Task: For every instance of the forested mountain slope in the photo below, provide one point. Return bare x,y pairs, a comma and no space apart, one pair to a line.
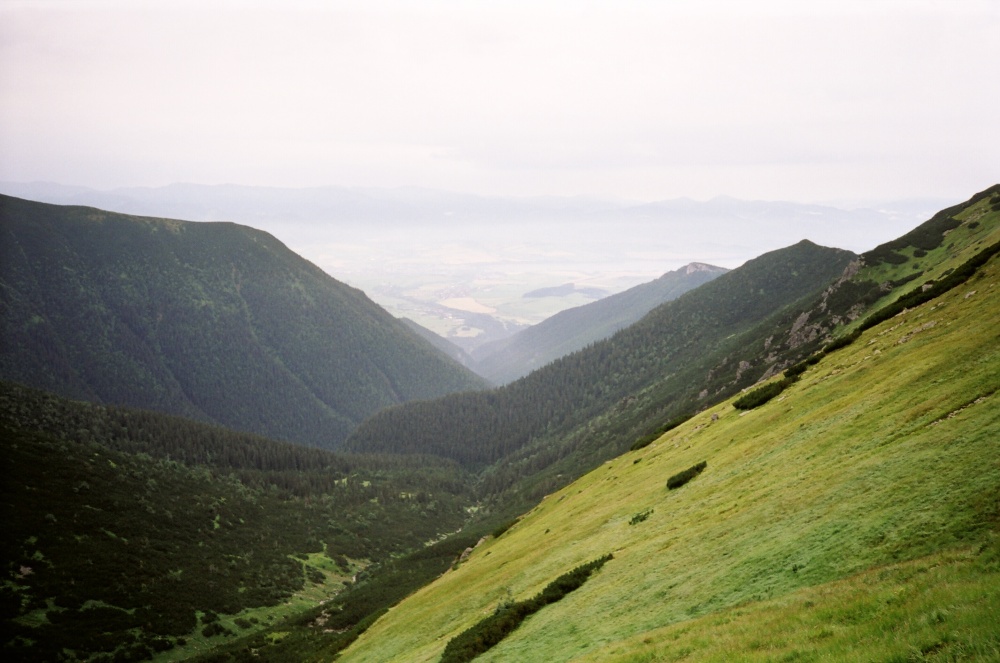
212,321
129,532
440,342
854,517
573,329
477,429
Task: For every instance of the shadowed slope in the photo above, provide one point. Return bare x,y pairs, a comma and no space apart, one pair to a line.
213,321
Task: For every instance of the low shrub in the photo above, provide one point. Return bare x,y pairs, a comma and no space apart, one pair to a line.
842,342
682,478
761,395
796,370
646,440
903,280
639,517
503,527
488,632
215,628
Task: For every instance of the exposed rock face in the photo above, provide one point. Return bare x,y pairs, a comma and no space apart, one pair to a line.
800,333
744,365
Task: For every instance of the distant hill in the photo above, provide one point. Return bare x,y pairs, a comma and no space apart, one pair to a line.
573,329
213,321
565,290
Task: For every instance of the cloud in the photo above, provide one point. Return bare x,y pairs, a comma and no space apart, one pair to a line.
651,98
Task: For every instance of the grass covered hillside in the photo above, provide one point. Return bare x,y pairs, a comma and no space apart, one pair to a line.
854,517
573,329
212,321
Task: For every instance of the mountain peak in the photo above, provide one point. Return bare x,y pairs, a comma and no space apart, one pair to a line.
695,267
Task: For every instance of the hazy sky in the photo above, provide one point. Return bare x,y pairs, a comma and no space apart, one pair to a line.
647,100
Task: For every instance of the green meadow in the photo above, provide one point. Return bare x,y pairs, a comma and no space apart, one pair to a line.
854,517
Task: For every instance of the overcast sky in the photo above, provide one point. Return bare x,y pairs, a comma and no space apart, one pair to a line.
803,101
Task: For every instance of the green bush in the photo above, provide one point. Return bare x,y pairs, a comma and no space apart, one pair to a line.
215,628
761,395
639,517
796,370
842,342
903,280
646,440
503,527
488,632
682,478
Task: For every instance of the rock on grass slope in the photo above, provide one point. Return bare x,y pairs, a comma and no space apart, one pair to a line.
855,517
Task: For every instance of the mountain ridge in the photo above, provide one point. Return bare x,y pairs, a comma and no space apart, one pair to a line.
565,332
214,321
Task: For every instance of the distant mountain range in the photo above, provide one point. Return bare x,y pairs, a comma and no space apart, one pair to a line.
407,205
213,321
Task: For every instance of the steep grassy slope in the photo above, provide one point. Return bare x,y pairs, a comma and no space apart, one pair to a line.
571,330
212,321
855,517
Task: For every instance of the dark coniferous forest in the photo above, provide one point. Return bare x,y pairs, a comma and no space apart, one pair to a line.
213,321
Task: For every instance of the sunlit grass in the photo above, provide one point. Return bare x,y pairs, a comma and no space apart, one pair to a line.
940,607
